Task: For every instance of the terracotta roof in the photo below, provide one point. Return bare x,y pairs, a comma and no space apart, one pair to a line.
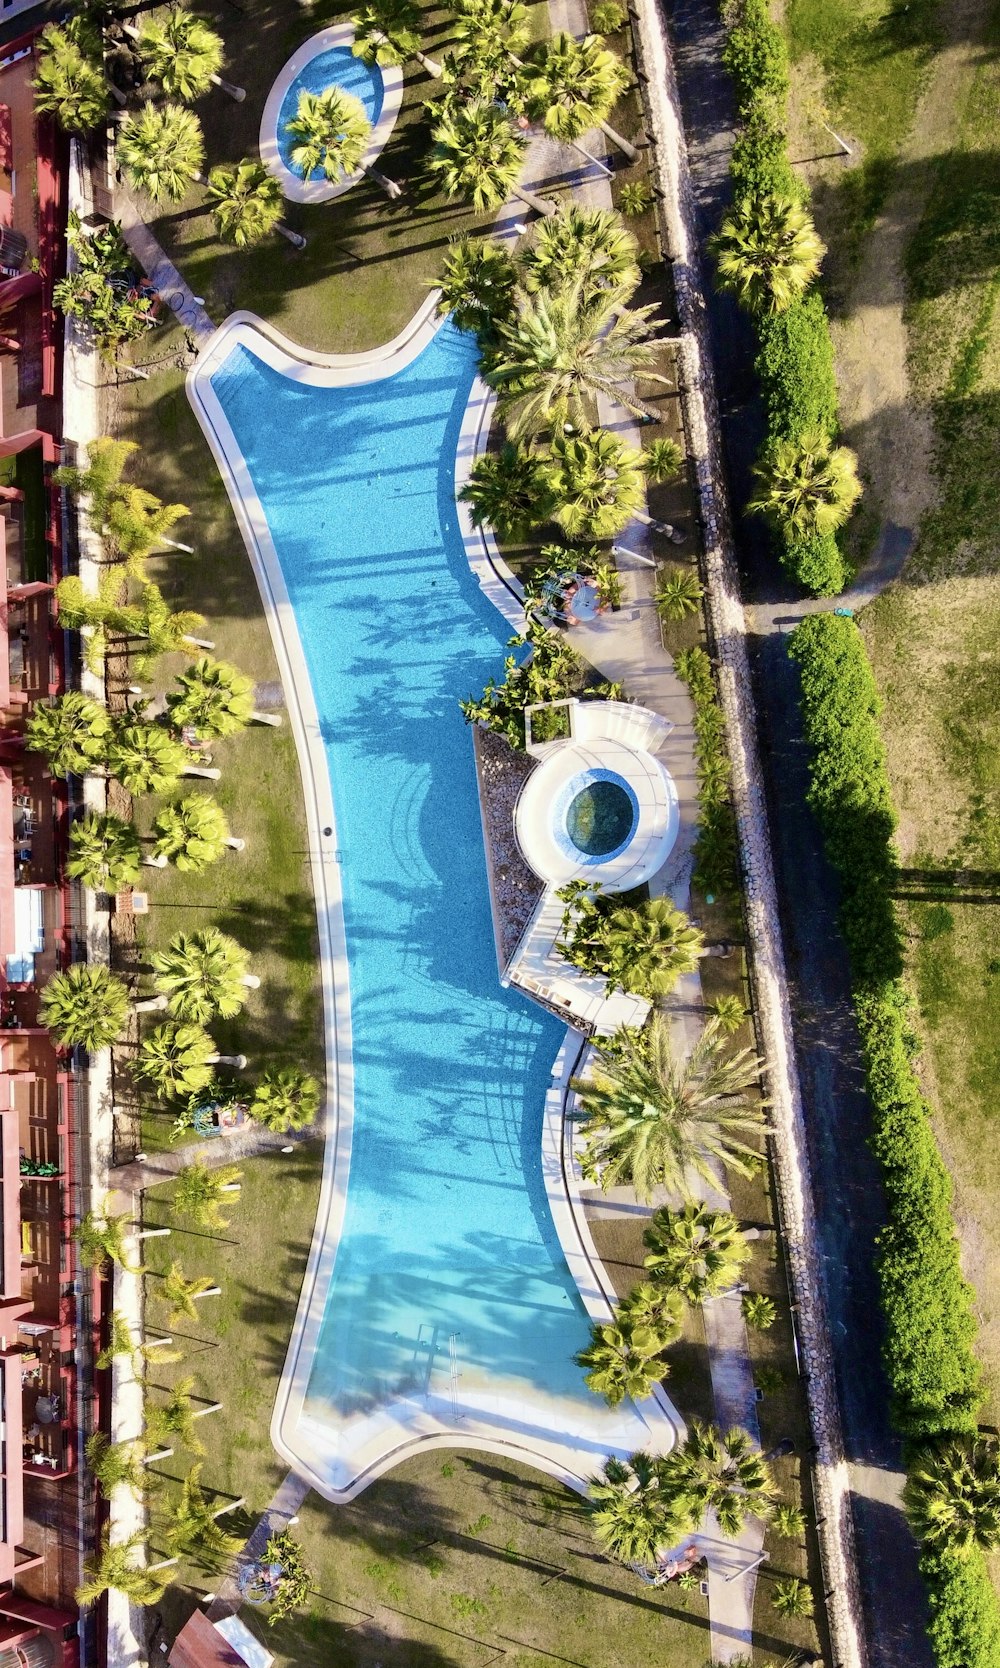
198,1645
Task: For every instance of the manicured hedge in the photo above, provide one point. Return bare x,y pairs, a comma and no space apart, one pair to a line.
795,368
715,853
930,1328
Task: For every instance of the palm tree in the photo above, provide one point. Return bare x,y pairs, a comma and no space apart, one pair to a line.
574,85
192,833
114,1463
121,1344
627,1511
101,1239
644,950
476,284
285,1099
767,252
146,758
386,33
161,149
164,630
176,1059
662,461
590,243
101,480
596,482
696,1251
194,1532
720,1472
199,1192
655,1306
214,698
478,157
623,1360
483,61
952,1495
136,523
203,974
85,1007
332,133
182,1295
70,83
184,55
174,1420
678,594
72,732
561,349
117,1570
509,491
105,852
808,486
651,1121
246,202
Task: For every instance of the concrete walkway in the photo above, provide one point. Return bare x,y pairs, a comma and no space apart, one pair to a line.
284,1505
230,1147
160,270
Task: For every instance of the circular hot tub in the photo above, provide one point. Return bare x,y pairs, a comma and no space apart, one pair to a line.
598,810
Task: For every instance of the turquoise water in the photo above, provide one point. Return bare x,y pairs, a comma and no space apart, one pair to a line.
335,67
447,1244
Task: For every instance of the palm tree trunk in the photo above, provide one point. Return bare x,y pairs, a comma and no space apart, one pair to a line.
234,843
197,642
541,205
211,773
619,140
175,544
663,527
273,718
152,1005
238,93
596,160
237,1061
431,65
155,862
250,980
295,238
391,188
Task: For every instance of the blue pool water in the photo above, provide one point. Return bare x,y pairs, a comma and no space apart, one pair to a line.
447,1240
335,67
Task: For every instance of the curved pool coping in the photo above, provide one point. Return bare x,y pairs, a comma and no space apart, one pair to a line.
322,191
405,1429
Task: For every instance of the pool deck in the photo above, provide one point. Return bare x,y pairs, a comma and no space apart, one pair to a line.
567,1439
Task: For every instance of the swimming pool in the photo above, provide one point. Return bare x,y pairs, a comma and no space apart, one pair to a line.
443,1306
336,66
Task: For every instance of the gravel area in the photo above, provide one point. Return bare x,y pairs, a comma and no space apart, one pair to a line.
514,888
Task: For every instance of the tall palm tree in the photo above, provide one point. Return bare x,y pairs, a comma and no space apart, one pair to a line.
182,1295
627,1510
199,1192
202,974
85,1007
588,242
596,482
331,134
184,55
101,1238
478,157
653,1305
952,1495
386,33
101,480
176,1059
285,1099
508,490
174,1419
246,202
162,150
104,852
136,523
696,1251
146,758
70,83
116,1569
72,732
560,349
114,1463
718,1471
653,1122
767,252
808,485
192,833
194,1532
644,950
483,60
214,698
477,284
574,85
121,1345
163,629
623,1360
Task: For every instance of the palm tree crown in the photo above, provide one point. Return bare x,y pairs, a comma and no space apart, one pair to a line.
386,33
952,1495
116,1568
624,1359
628,1512
767,252
85,1007
246,202
181,1293
161,150
192,832
101,1239
591,243
808,486
644,950
72,732
597,484
330,132
199,1192
216,699
477,153
574,85
718,1471
696,1251
104,852
202,974
146,758
181,52
651,1121
176,1059
173,1420
194,1531
285,1099
560,349
70,83
509,491
477,284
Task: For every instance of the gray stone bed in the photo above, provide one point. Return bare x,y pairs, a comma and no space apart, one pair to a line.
514,888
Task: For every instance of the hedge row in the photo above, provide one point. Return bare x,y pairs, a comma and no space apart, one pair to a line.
715,852
795,360
930,1329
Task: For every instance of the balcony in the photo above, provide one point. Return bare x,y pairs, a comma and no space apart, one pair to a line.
45,1401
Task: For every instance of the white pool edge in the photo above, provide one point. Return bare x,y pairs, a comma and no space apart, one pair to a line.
323,191
408,1428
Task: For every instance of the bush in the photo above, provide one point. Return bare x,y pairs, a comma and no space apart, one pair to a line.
965,1615
715,852
759,165
757,59
795,368
815,563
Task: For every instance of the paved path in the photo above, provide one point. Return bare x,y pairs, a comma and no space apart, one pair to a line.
160,270
284,1505
847,1184
229,1148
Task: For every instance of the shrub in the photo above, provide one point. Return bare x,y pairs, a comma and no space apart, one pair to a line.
815,562
757,59
715,853
759,165
795,367
759,1311
965,1614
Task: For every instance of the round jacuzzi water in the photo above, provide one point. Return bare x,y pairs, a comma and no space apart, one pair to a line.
337,66
600,818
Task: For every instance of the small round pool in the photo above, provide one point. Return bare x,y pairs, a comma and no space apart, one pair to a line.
336,67
600,818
